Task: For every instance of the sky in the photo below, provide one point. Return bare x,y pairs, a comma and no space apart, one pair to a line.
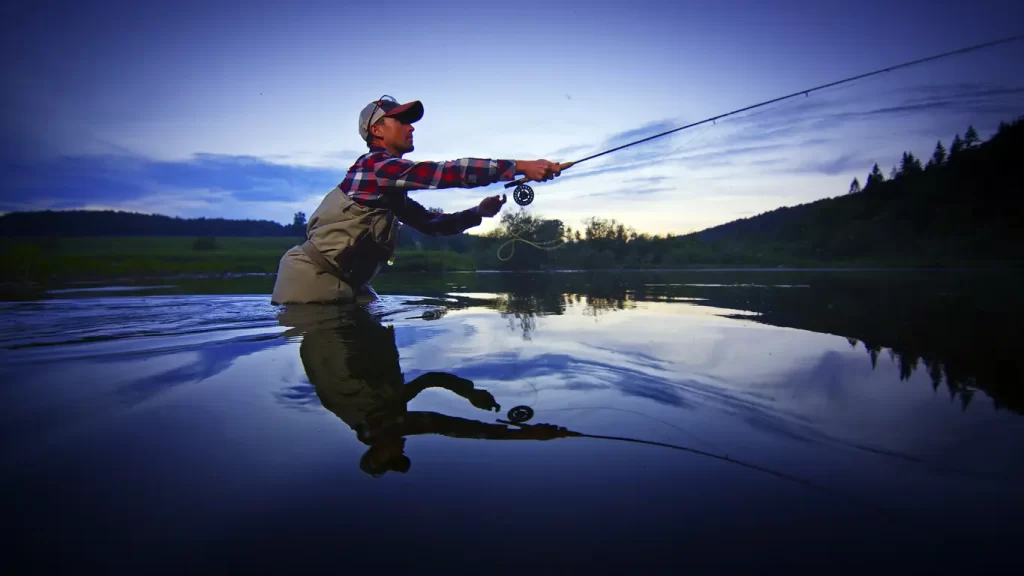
249,109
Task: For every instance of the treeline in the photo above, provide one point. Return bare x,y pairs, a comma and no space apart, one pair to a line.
71,223
961,208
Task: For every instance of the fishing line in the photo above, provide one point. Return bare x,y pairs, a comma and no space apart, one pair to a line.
523,194
726,458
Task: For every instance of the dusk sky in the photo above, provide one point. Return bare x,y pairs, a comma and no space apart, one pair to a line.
249,109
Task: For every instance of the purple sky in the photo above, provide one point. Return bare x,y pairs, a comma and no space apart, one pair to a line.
248,109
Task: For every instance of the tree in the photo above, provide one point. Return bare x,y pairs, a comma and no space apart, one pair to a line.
854,187
909,164
299,222
875,177
956,147
971,137
895,172
938,157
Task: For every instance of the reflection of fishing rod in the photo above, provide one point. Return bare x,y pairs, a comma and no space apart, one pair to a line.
520,414
523,194
723,458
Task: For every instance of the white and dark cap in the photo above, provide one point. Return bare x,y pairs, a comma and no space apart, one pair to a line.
387,106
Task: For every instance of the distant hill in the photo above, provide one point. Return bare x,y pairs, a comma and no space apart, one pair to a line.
963,205
79,223
71,223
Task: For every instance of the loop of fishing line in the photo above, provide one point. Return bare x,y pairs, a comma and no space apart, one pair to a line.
546,245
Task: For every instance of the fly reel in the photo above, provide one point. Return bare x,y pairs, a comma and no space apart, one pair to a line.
523,195
520,414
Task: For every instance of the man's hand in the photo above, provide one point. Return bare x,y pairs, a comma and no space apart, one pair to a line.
538,170
483,400
491,205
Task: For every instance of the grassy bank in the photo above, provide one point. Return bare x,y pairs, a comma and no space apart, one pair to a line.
97,257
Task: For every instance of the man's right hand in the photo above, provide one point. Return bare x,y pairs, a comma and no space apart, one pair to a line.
538,170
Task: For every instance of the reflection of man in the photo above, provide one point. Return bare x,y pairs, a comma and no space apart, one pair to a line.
352,361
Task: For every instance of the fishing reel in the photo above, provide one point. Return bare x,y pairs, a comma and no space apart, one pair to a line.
520,414
523,195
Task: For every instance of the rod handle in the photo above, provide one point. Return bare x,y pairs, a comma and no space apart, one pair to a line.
524,179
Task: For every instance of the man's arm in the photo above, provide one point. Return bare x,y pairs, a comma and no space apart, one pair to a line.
416,423
432,224
445,380
462,173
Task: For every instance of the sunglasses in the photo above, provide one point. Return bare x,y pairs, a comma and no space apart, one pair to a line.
380,106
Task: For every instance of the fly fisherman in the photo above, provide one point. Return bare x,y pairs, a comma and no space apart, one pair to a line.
354,231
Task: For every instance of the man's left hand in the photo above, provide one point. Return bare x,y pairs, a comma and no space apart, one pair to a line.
483,400
491,205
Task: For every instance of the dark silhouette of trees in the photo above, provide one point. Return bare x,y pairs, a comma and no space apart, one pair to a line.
299,222
938,157
956,147
854,187
875,177
971,138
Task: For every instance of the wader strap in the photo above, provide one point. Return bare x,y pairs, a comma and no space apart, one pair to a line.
322,263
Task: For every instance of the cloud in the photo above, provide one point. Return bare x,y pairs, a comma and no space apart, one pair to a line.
75,181
627,191
646,180
833,166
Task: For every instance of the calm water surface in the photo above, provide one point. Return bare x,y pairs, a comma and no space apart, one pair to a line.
191,426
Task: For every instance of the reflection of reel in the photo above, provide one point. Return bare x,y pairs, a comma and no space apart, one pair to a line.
523,195
520,414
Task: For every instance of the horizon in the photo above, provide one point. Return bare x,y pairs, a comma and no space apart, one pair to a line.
193,111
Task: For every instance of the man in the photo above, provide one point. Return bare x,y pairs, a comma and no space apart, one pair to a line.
352,361
355,229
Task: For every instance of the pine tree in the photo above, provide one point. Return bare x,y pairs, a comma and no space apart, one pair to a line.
938,157
875,177
895,172
956,147
854,186
971,137
909,164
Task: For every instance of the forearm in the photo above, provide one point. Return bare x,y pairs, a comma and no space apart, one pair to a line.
433,224
461,173
445,380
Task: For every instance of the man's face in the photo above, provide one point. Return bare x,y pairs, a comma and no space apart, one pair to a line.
396,135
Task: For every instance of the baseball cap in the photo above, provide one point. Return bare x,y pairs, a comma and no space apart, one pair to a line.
387,106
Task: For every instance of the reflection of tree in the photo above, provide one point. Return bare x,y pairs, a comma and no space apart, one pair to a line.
961,330
961,333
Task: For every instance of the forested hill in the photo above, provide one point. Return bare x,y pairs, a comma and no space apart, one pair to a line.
962,205
72,223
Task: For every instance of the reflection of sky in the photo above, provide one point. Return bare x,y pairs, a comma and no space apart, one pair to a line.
200,431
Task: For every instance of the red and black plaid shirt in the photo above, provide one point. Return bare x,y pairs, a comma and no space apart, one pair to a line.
381,179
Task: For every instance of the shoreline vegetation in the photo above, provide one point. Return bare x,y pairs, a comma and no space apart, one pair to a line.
959,210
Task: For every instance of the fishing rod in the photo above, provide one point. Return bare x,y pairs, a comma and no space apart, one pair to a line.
523,194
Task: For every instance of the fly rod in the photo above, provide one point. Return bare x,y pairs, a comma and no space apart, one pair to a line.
523,194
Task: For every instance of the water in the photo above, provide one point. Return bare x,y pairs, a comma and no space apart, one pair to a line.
189,425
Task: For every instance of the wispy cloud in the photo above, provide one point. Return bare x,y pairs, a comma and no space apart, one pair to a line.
630,191
68,182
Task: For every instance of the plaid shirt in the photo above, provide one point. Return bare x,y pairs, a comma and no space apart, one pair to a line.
381,179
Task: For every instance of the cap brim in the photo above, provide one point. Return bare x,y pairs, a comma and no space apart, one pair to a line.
409,112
